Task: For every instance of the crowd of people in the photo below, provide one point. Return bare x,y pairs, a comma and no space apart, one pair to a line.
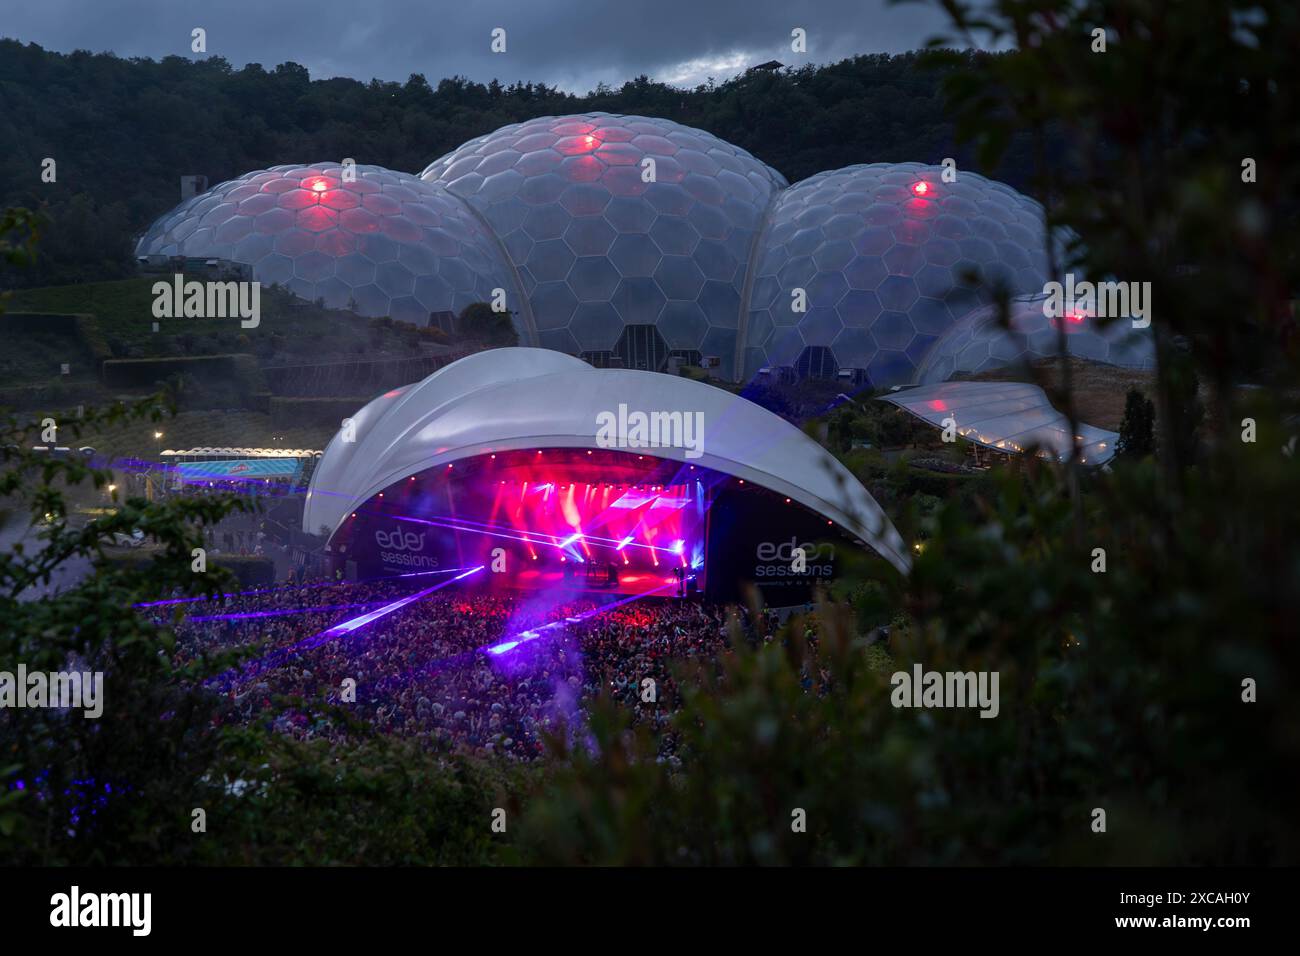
442,669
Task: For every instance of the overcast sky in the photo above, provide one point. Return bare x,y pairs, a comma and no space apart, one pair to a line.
573,44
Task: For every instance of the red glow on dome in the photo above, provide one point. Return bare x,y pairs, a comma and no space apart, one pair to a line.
578,145
921,189
317,185
1073,317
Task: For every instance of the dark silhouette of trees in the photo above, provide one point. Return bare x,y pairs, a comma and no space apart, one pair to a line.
123,131
1137,435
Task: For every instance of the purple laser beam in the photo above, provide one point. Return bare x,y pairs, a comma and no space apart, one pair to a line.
535,632
347,627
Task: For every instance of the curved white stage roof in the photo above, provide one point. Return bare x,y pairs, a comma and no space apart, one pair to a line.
521,398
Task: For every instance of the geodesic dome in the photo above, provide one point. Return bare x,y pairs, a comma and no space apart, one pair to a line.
389,242
880,252
610,262
979,343
629,240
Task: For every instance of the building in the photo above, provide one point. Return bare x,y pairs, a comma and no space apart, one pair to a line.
379,242
629,234
631,241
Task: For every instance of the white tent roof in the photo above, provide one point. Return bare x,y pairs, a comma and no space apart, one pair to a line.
521,398
1006,416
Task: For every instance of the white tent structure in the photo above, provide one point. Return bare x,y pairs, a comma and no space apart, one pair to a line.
524,398
1010,417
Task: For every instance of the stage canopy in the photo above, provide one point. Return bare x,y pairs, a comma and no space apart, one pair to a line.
1006,416
522,398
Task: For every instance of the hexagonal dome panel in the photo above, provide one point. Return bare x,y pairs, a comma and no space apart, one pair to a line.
676,242
604,228
388,242
886,248
979,342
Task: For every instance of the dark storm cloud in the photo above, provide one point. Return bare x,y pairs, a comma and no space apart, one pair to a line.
570,43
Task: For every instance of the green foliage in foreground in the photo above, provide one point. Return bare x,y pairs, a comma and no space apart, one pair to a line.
1120,691
376,801
150,736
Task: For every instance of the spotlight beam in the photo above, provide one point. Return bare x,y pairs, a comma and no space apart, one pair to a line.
276,658
347,627
533,633
528,537
281,612
287,587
